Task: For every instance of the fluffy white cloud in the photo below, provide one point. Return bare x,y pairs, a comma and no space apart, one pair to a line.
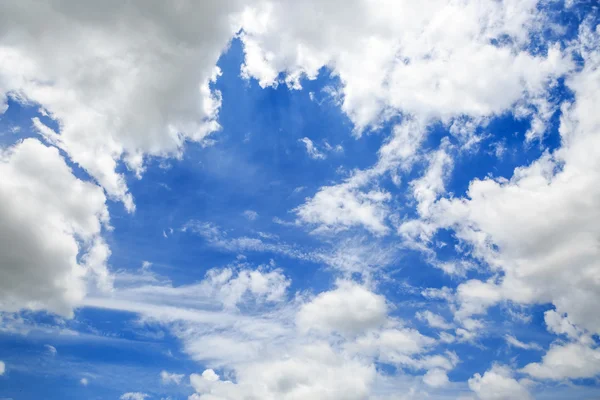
348,309
536,231
358,202
436,378
339,207
2,368
567,361
134,396
434,60
312,372
124,81
51,224
167,377
560,325
498,384
84,381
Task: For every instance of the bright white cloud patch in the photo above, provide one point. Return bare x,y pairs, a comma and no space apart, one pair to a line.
349,309
51,223
432,60
134,396
312,372
120,83
498,384
119,91
568,361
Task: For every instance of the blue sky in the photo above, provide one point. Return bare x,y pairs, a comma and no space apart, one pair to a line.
279,200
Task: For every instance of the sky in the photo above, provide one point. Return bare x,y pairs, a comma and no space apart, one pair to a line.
281,200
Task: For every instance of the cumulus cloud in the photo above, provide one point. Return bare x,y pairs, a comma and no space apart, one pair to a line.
567,361
436,378
124,82
314,371
348,309
535,230
84,381
498,384
2,368
434,60
51,222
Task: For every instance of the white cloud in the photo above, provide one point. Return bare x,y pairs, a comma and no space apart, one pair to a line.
2,368
357,202
535,231
339,207
116,93
436,378
396,346
498,384
348,309
433,320
567,361
50,349
560,325
84,381
167,377
311,149
312,372
51,222
513,341
134,396
433,60
427,188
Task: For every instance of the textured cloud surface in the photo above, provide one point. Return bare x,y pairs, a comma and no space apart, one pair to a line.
338,200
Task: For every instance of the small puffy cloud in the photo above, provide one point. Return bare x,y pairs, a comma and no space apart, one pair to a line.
340,207
560,325
50,349
348,309
436,378
167,377
396,346
498,384
84,381
475,297
134,396
2,368
433,320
